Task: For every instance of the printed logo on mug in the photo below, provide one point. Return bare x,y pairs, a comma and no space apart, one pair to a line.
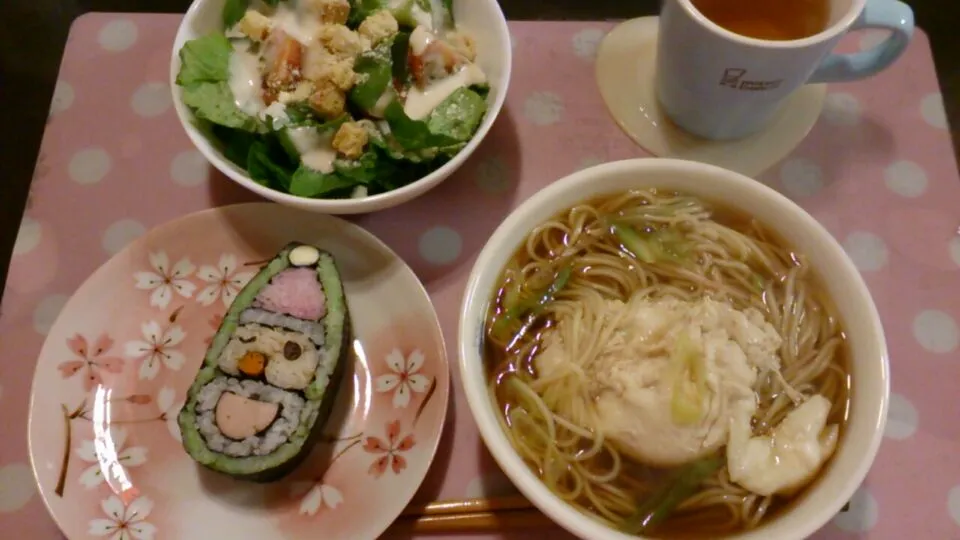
724,67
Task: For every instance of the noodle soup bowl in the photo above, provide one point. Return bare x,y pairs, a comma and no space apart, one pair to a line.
866,347
483,20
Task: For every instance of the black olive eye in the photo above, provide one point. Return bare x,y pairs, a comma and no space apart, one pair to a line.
247,340
291,350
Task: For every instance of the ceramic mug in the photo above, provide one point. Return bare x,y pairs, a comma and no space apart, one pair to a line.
720,85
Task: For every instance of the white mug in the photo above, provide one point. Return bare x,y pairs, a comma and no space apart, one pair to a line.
720,85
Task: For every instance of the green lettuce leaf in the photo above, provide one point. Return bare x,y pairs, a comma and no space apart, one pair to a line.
233,11
412,134
205,59
453,122
458,116
375,70
307,182
235,143
265,169
214,102
402,11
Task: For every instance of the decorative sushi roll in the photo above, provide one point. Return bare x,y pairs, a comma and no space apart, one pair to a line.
270,376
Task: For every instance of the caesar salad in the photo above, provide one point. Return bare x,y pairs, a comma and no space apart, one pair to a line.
335,98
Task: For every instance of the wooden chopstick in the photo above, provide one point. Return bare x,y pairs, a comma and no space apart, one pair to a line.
467,506
471,515
473,522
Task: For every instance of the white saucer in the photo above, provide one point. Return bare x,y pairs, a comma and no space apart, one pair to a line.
625,75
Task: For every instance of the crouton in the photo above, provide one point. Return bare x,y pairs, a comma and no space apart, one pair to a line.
255,25
342,41
327,100
350,140
379,26
302,92
319,64
328,11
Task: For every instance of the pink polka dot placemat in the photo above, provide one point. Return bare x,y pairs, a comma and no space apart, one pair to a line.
878,170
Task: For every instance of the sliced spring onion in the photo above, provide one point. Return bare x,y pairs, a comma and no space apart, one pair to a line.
659,505
635,244
690,385
661,245
531,306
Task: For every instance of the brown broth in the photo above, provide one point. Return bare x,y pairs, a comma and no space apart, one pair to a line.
700,524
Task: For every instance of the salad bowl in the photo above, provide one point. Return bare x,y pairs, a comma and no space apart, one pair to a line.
340,106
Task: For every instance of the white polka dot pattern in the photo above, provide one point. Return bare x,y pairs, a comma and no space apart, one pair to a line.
954,249
543,108
801,177
118,35
492,175
63,96
440,245
862,514
906,178
931,108
842,109
189,168
936,331
16,487
151,99
902,418
867,250
121,233
47,311
953,504
586,42
28,237
90,166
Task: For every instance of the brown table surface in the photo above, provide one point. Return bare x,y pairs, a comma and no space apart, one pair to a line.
34,33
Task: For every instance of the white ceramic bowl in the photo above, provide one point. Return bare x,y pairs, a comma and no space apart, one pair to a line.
483,19
869,364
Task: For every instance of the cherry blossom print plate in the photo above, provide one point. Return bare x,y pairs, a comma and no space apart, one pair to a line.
117,363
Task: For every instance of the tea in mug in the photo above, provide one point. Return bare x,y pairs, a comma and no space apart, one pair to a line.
778,20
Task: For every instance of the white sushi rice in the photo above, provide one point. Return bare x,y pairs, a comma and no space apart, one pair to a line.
295,374
313,330
291,407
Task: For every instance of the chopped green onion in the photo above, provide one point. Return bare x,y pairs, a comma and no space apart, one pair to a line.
660,245
634,243
532,306
665,500
686,405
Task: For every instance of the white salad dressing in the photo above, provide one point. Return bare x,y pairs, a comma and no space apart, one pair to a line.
245,82
316,150
295,24
420,38
437,10
421,102
278,112
421,16
416,12
380,107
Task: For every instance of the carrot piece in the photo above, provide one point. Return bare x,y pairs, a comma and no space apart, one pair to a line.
252,364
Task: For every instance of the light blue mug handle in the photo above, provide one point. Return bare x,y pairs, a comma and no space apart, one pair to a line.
889,14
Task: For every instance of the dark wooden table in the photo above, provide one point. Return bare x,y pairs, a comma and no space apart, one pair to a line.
35,31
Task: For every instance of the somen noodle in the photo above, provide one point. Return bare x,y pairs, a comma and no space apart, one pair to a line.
630,250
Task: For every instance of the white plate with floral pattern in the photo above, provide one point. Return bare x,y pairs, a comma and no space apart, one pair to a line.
116,365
